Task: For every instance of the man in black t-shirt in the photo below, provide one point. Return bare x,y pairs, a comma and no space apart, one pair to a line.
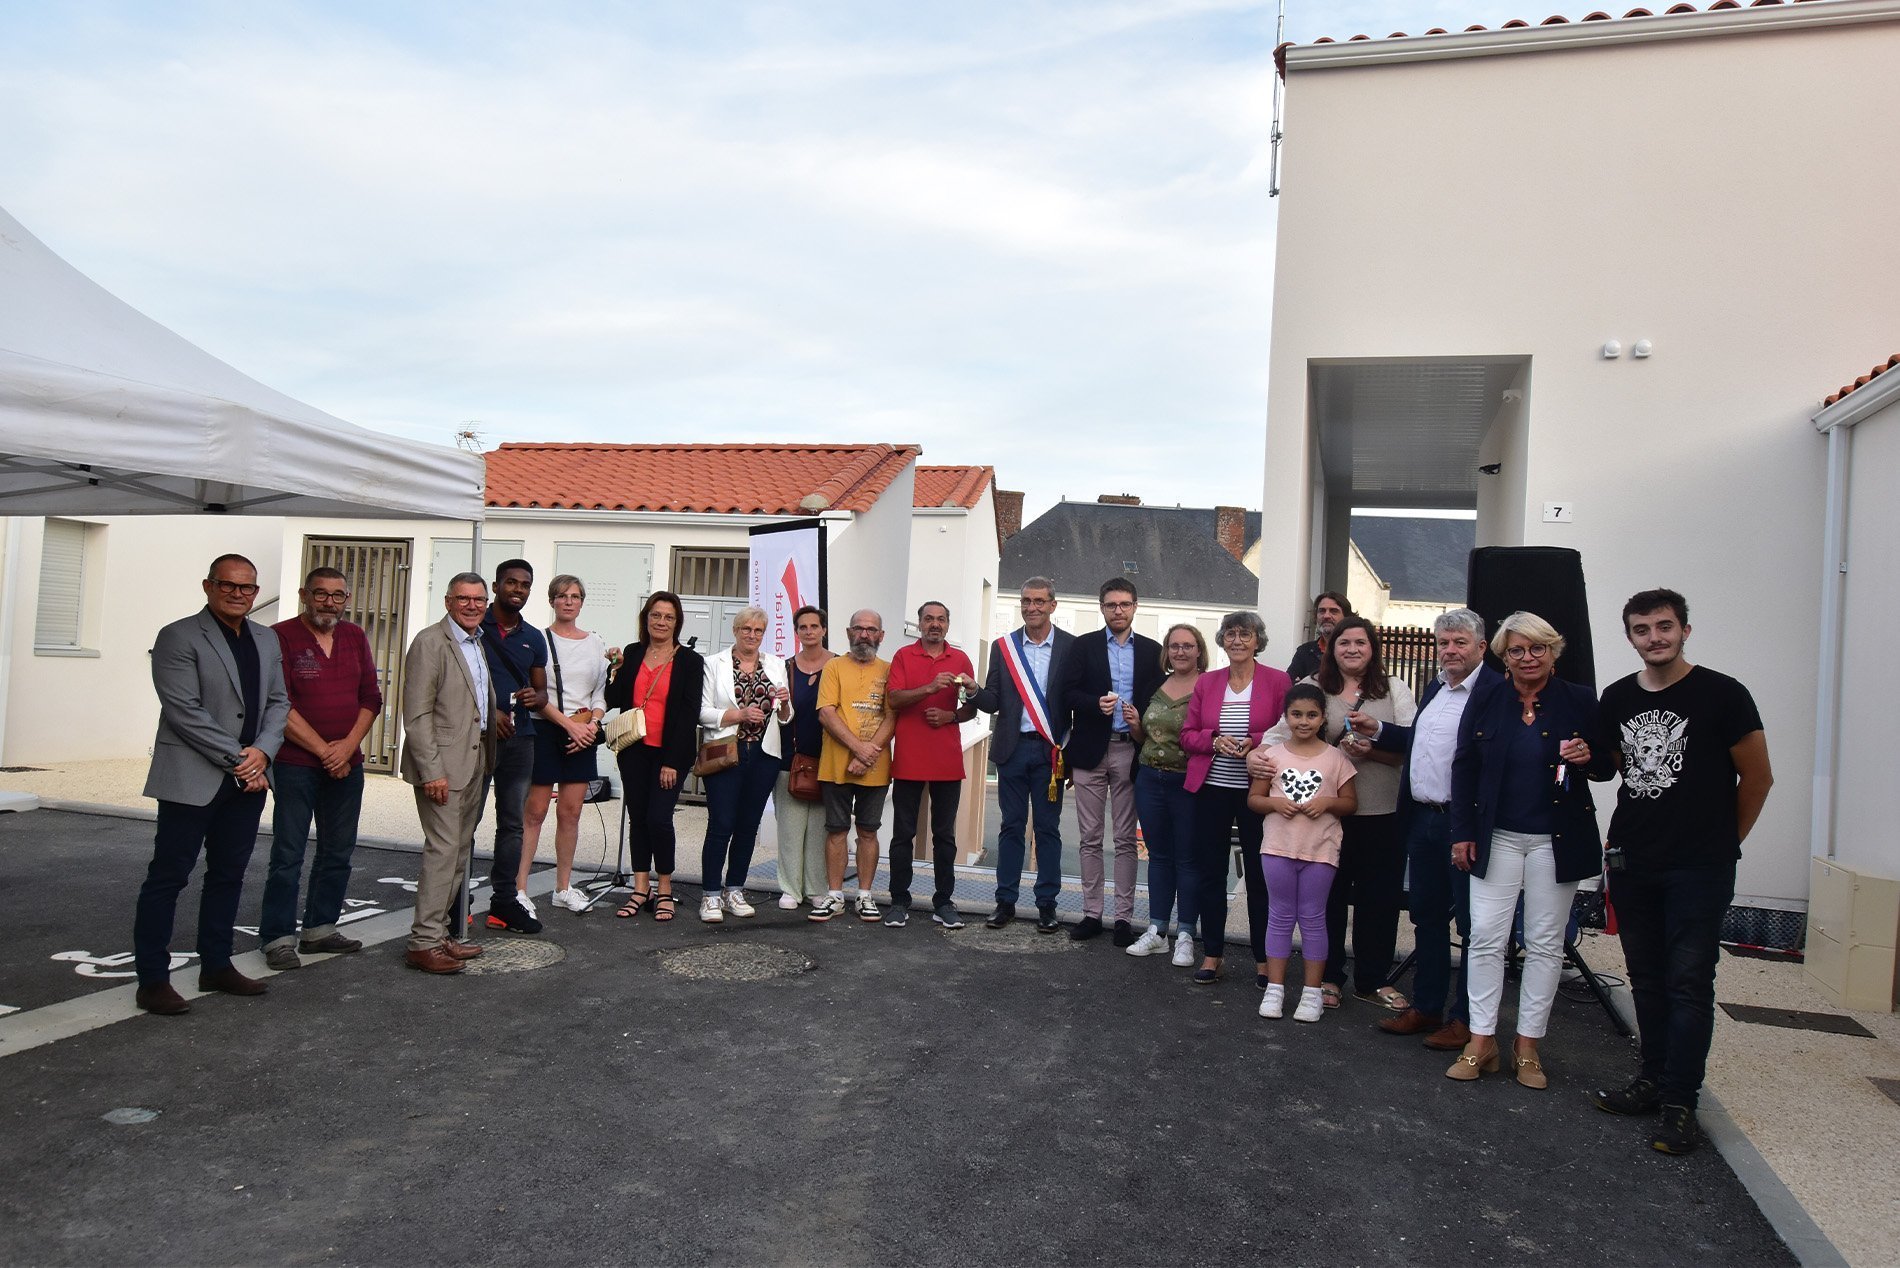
1695,773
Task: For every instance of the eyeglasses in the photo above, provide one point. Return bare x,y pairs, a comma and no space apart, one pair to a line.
1535,651
865,629
241,589
469,600
1116,607
1183,647
328,596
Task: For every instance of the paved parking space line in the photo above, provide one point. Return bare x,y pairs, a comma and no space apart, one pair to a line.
37,1027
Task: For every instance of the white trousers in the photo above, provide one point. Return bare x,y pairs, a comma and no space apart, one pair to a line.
1527,864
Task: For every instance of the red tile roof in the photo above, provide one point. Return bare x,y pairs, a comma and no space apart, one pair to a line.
1865,379
1555,19
724,479
952,486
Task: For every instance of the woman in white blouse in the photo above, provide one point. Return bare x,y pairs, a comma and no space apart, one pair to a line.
744,691
565,743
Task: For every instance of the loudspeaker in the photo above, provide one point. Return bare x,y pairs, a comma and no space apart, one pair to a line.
1547,580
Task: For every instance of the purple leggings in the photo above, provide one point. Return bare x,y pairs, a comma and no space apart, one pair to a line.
1296,890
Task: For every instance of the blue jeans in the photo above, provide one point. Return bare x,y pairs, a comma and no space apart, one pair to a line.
1440,894
514,771
1671,925
304,792
735,801
1022,785
225,830
1166,810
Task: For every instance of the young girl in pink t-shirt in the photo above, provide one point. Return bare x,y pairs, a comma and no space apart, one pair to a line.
1303,803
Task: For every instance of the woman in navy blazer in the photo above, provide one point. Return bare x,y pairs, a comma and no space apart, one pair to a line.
1220,789
1522,819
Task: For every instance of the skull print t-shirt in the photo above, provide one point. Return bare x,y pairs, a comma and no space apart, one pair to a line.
1676,806
1300,780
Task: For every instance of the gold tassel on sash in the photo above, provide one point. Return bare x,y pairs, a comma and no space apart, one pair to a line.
1058,768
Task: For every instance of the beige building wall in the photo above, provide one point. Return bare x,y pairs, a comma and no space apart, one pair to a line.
1866,829
954,560
1723,197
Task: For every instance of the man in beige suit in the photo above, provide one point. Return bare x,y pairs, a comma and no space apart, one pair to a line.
449,718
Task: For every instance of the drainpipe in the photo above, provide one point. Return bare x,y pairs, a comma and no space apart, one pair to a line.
1827,707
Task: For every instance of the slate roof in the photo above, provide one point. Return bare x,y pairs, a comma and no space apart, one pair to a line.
725,479
1079,545
952,486
1423,560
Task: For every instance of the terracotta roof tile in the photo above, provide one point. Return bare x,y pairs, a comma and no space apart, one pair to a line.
723,479
952,486
1555,19
1864,379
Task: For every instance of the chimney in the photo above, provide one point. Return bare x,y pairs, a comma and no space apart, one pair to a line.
1119,499
1009,515
1230,529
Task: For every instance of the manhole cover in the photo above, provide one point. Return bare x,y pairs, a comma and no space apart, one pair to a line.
741,962
1018,937
515,955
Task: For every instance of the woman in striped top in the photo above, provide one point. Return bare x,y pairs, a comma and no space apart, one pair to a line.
1226,717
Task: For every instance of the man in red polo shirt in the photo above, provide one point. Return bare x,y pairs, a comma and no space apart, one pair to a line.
927,753
334,697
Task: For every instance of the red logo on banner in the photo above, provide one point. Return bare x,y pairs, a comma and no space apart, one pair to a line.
791,585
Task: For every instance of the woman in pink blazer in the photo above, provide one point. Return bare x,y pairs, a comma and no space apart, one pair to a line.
1226,716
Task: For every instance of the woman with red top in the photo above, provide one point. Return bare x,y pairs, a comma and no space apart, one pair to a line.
663,680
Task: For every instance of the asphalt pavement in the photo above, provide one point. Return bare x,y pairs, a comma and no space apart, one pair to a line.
776,1091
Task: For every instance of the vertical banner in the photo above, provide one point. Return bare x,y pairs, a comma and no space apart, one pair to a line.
787,572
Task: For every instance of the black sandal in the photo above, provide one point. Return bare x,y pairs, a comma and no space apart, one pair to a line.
662,908
634,905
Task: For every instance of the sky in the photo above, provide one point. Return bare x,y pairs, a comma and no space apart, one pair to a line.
1034,235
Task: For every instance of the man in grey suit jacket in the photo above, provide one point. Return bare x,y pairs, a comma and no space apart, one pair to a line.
1028,772
222,705
451,722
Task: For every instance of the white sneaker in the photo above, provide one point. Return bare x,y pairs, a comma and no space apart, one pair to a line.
788,902
867,909
1312,1005
527,903
1183,951
824,907
571,898
736,903
1149,943
1273,1003
709,910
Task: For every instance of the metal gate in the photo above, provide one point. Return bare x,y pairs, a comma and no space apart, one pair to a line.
378,574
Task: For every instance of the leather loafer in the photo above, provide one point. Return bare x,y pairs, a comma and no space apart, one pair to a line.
432,960
1046,921
1004,913
1451,1037
332,943
1086,928
161,999
462,950
1124,934
1412,1022
230,982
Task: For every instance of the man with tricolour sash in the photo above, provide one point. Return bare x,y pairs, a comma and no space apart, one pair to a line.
1031,728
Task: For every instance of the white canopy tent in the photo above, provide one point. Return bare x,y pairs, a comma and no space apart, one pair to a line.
105,412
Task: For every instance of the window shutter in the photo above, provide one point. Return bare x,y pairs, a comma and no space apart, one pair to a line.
62,584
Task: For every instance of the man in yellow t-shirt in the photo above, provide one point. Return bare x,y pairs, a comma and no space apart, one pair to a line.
854,766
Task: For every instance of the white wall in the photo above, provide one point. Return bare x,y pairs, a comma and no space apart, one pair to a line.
953,560
1865,838
870,562
143,572
1716,196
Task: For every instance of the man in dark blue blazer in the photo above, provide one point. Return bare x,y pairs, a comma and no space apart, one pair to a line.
1107,681
1440,893
1027,776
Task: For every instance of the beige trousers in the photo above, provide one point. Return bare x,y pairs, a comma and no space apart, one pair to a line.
448,832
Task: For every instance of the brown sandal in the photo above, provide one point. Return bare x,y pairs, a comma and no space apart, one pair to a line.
634,905
662,908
